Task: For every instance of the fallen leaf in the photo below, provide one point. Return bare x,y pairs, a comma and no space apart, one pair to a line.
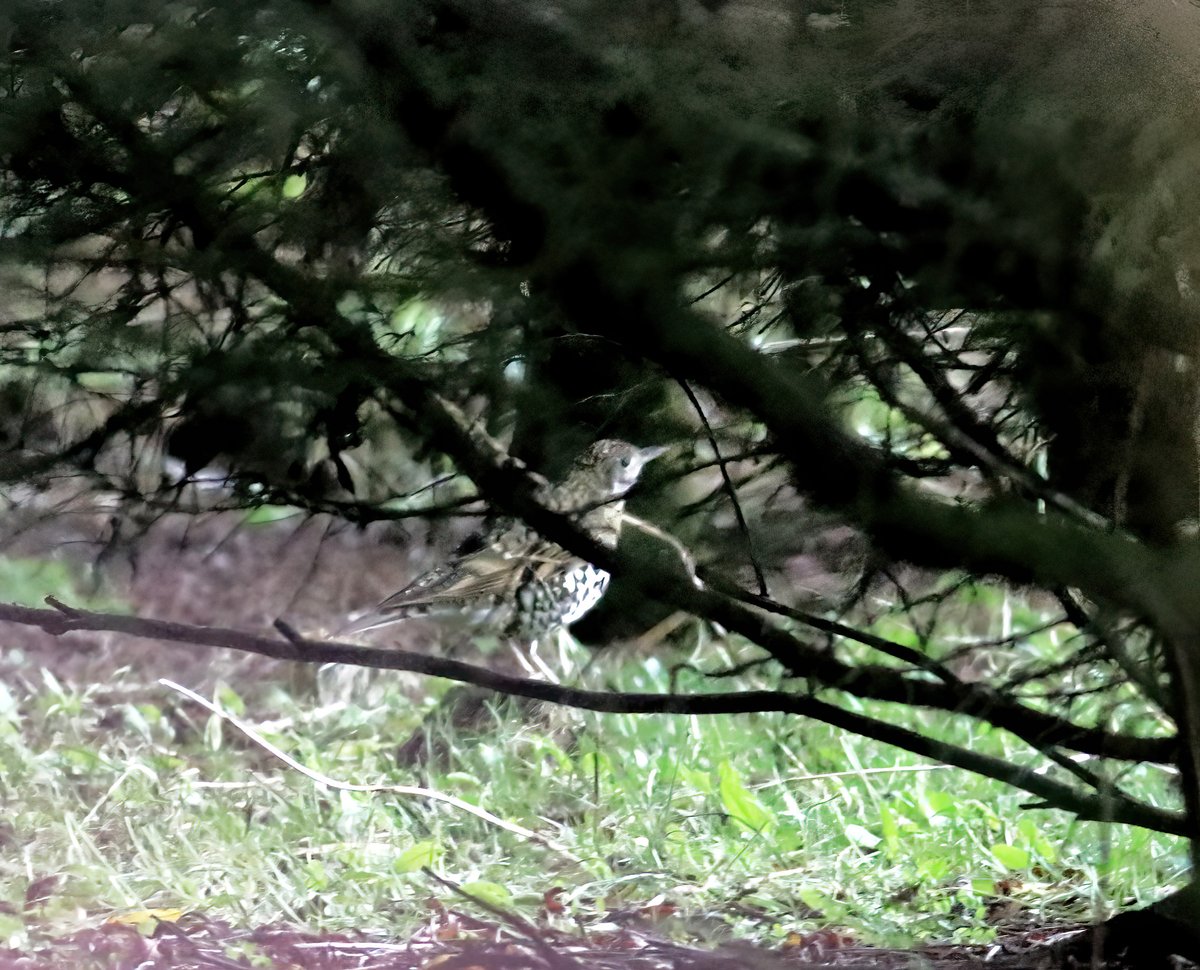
141,916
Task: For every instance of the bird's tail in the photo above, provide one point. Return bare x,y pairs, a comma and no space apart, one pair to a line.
364,621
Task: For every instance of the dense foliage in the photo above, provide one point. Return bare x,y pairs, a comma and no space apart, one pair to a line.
907,280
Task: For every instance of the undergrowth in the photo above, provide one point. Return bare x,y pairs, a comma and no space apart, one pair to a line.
127,797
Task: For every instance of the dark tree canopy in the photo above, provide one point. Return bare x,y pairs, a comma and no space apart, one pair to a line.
907,278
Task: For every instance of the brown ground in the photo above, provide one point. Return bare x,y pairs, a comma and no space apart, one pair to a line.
215,570
455,941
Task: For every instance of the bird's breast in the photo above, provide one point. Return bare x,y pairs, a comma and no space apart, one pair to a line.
551,599
585,587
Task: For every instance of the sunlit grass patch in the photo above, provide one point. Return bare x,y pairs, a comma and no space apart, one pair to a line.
126,797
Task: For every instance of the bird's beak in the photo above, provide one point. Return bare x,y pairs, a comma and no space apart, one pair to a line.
654,451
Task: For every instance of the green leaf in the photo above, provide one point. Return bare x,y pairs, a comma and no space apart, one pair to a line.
700,781
316,876
294,186
827,906
489,892
422,320
11,927
594,763
739,802
416,856
28,581
103,382
136,721
266,514
941,803
1043,846
935,868
1010,856
228,699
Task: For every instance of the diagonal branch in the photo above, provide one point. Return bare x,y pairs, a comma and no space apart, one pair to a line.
1107,806
731,489
851,475
639,304
666,578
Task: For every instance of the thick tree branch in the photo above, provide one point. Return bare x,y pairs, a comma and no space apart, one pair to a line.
668,579
638,303
851,475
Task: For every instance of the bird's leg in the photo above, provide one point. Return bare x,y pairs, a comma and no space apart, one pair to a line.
542,667
522,653
528,660
568,648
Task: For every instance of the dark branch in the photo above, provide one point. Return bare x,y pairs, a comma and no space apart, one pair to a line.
1110,807
850,476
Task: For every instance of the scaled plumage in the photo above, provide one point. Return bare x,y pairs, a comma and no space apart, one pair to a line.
516,583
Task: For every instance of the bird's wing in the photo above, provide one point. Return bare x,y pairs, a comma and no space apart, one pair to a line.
480,575
470,584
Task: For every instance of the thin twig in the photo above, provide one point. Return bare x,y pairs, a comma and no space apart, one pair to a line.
518,923
409,790
743,527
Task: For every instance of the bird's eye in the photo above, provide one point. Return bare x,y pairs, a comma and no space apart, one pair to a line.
626,461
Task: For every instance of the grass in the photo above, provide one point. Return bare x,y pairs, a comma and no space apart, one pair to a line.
126,796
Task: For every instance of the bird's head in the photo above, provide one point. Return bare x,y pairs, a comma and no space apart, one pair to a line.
613,466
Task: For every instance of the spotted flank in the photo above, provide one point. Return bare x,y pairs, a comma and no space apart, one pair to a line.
516,583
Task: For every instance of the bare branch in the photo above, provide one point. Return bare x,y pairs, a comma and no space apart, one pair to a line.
1110,807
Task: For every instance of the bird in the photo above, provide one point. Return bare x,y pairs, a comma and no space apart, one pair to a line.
515,583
